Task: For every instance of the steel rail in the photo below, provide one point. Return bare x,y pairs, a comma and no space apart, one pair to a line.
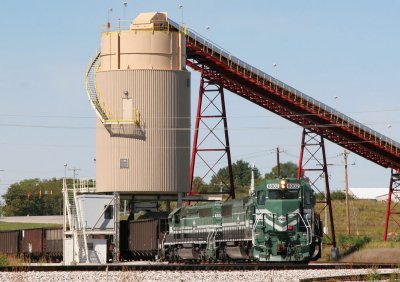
197,266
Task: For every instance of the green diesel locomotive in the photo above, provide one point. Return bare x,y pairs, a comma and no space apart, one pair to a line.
276,222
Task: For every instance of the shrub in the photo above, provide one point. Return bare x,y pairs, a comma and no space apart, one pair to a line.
395,238
350,244
373,275
3,260
335,195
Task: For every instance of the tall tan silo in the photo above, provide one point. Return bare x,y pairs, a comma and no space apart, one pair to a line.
143,89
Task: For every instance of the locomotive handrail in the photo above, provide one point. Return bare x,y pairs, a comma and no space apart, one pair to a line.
308,228
163,240
262,218
255,224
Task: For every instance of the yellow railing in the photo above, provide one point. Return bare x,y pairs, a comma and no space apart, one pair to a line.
95,97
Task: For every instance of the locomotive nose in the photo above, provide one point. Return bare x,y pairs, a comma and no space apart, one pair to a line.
286,207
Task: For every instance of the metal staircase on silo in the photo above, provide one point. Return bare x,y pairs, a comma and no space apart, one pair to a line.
91,89
133,126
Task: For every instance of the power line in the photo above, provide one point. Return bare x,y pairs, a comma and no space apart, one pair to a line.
229,116
294,126
46,145
47,116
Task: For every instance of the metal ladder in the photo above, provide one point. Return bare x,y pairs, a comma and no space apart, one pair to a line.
211,239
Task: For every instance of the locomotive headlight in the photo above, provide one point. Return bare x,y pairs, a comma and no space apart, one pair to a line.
282,184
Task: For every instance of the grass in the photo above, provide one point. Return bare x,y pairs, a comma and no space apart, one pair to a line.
366,218
4,226
382,245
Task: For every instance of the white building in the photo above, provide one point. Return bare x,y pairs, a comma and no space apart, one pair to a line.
379,194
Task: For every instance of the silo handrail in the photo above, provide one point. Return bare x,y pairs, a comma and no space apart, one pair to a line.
91,88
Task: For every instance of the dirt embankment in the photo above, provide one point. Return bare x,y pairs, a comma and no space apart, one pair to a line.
384,255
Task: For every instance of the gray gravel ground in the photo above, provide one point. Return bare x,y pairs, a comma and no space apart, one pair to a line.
172,276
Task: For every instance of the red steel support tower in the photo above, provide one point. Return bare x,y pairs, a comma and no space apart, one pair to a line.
212,147
392,208
313,163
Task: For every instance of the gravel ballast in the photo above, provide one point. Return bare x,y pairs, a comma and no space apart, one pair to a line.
172,276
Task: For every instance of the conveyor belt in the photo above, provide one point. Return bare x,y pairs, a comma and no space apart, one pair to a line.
262,89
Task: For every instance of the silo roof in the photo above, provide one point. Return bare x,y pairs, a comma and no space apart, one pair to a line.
146,18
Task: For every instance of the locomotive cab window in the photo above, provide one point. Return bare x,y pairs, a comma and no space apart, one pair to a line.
279,194
274,194
291,194
261,197
307,197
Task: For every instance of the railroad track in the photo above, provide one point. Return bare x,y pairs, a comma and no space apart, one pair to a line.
357,277
198,267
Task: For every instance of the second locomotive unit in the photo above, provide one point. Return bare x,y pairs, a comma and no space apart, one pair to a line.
276,222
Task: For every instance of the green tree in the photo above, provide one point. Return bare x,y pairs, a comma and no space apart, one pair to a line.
199,185
340,195
1,208
34,197
241,177
288,170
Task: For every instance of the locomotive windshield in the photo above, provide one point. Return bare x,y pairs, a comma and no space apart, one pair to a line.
276,195
283,194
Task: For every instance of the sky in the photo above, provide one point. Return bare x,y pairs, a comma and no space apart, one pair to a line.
343,53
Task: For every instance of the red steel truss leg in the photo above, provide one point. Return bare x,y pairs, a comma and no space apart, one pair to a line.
313,164
392,212
211,113
196,133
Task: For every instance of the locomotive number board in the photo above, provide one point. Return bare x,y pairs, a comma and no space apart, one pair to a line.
288,186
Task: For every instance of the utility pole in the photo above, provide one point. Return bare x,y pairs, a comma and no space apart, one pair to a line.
75,170
346,183
278,162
